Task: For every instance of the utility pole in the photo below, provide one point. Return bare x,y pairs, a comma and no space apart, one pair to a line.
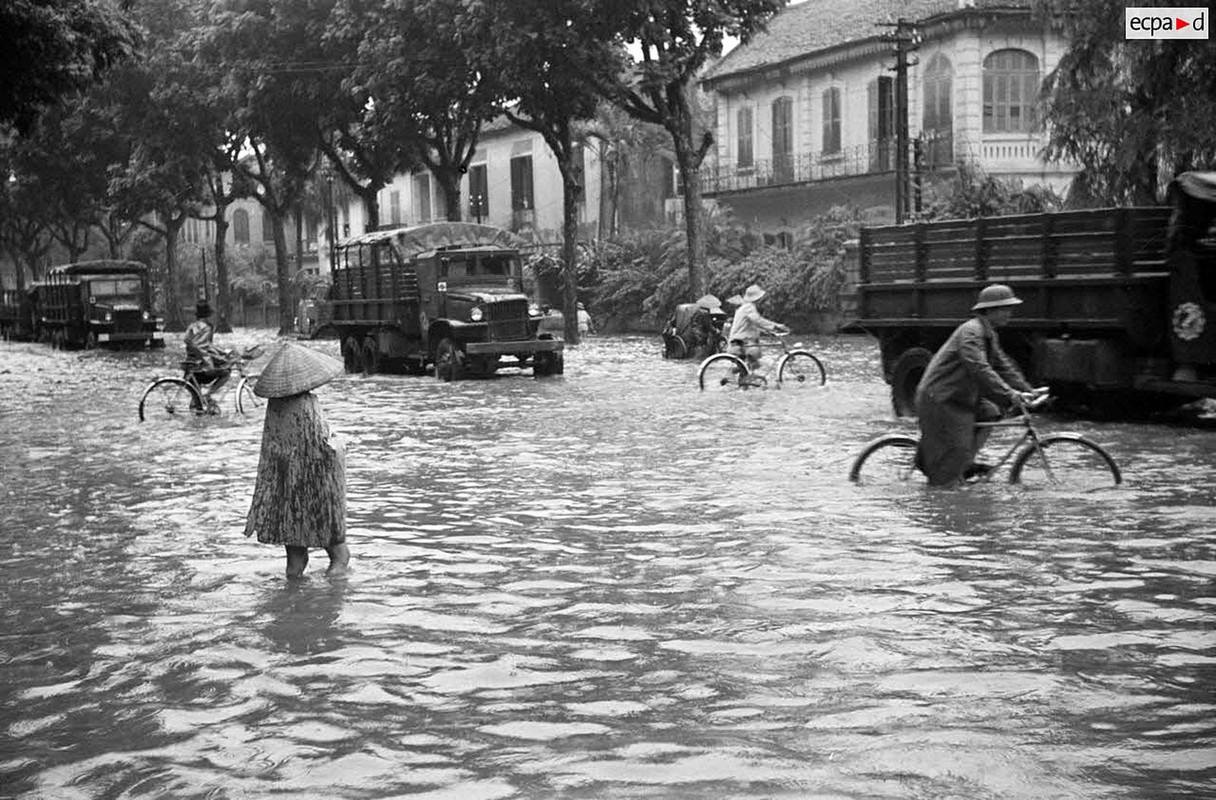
904,39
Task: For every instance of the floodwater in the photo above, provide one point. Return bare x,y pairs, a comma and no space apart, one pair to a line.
605,585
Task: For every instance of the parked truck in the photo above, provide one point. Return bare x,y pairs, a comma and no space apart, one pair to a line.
94,303
1119,304
448,295
16,315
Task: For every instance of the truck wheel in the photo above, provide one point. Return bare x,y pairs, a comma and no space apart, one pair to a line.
908,370
371,356
352,355
449,361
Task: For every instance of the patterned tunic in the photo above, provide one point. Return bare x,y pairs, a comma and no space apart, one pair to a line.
300,496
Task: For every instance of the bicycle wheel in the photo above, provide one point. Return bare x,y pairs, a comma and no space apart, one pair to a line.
800,368
246,401
167,398
722,372
889,459
1065,461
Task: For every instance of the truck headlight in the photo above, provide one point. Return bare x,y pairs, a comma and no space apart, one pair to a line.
109,317
147,316
476,314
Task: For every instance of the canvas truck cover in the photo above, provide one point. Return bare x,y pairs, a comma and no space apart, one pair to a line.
440,236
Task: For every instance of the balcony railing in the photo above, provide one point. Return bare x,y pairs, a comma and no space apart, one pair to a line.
877,156
872,158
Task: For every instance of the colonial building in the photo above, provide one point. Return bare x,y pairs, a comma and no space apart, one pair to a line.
806,112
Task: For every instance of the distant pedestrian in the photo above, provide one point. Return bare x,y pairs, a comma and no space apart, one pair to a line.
300,497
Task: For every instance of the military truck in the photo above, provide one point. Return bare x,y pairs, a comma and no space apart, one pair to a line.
1119,304
92,303
448,295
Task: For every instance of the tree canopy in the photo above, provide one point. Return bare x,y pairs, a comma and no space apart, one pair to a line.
53,48
1129,112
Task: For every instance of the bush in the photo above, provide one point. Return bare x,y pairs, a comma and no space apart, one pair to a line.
640,278
974,193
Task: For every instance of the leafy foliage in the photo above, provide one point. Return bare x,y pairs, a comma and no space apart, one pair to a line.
643,276
1127,111
971,192
55,48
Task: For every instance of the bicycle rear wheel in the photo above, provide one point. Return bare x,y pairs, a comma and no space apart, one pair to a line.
1065,461
246,401
890,459
168,398
801,368
722,372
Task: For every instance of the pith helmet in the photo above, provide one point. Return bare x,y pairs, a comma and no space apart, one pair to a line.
997,295
296,369
710,303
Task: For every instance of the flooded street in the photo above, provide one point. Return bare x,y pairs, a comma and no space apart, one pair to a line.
604,585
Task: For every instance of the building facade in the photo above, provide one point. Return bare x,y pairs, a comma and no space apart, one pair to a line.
806,113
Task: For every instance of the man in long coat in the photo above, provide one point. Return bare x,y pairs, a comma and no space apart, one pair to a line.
969,380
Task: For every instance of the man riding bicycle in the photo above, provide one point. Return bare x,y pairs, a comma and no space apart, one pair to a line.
206,362
748,325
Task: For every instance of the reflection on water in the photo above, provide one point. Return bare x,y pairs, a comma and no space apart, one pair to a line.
602,585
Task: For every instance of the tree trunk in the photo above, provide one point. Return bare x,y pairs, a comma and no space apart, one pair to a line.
223,293
283,272
694,216
299,215
173,304
570,194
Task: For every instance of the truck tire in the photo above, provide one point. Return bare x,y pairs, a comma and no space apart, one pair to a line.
449,361
905,375
352,355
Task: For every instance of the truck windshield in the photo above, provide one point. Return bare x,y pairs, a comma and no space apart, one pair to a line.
115,291
469,265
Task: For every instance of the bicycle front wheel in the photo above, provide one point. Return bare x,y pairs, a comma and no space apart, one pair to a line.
167,398
246,401
1065,461
722,372
889,459
801,368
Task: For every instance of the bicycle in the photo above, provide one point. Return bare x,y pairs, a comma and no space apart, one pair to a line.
796,367
1067,460
169,398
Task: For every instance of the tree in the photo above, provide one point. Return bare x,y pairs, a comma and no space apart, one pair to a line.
361,145
262,50
1127,111
530,47
674,40
423,86
53,48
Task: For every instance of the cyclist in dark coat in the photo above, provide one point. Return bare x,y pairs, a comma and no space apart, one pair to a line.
969,380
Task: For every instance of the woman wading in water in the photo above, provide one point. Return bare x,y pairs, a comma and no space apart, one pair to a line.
300,497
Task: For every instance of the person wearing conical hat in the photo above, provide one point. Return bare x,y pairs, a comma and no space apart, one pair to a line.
968,380
299,500
748,324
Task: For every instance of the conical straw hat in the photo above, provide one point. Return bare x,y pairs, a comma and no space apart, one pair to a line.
296,369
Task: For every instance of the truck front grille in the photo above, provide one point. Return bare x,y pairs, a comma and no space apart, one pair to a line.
128,322
508,320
